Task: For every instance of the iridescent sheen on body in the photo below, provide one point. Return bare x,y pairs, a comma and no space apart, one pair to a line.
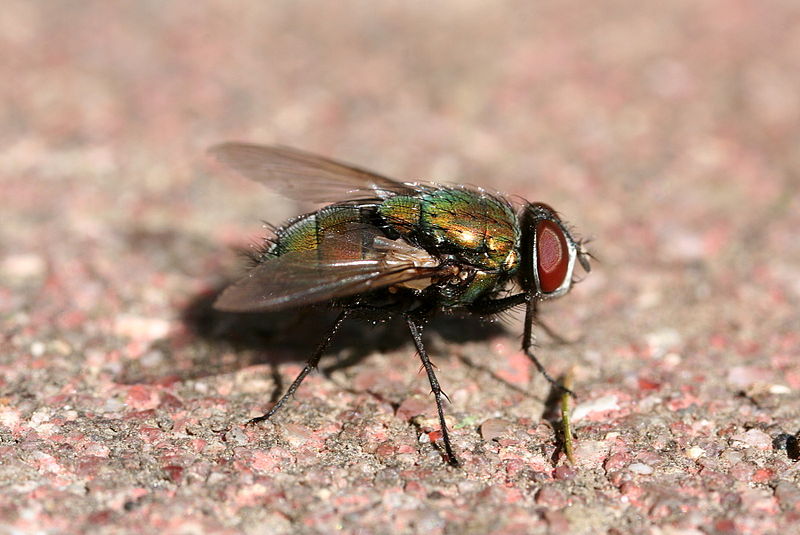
467,227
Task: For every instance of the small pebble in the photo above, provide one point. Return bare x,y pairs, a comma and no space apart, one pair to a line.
297,434
411,407
37,349
599,405
744,376
23,266
695,452
141,328
640,468
152,358
564,472
755,438
662,340
779,390
235,436
493,428
552,497
788,495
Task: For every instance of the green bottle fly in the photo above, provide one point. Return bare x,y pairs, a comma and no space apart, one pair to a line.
396,248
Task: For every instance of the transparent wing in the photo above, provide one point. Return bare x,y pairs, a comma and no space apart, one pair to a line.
304,176
347,263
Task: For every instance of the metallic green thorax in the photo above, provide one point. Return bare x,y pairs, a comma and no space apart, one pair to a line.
463,226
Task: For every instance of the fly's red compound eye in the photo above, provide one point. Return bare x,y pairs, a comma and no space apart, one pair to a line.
552,256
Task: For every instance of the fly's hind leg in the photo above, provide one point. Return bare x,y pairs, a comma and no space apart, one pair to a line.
311,364
416,334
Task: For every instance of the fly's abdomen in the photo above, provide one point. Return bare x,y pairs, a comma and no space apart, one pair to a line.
318,230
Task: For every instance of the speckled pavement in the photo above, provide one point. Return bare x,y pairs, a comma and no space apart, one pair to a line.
667,133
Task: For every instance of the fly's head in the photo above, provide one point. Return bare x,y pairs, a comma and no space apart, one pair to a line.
548,253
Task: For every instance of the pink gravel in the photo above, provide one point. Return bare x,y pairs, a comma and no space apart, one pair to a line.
666,132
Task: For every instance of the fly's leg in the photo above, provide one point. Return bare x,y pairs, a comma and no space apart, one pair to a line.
496,306
527,346
490,307
311,364
416,334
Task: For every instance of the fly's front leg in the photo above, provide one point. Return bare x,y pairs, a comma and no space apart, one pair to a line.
496,306
311,364
416,334
527,346
490,307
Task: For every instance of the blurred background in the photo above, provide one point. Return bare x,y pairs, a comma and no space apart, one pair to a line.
665,132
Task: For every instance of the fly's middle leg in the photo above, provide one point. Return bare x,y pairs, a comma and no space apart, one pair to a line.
416,334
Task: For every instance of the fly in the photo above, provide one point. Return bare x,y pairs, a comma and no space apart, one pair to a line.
397,248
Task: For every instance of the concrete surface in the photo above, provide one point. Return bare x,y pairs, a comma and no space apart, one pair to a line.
666,132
